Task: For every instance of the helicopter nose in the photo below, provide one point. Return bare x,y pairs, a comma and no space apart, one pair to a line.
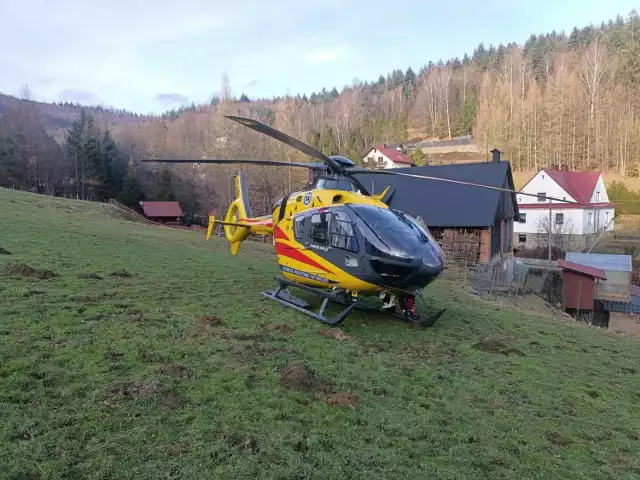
430,268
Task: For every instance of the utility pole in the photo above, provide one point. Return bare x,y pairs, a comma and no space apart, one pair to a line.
549,232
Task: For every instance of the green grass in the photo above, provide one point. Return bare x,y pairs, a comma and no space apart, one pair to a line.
121,377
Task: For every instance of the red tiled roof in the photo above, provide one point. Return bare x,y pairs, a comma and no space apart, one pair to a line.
579,185
161,209
583,269
394,155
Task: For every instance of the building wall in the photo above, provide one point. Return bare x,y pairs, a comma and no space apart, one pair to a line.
542,183
576,221
578,290
485,245
376,156
600,192
536,240
624,322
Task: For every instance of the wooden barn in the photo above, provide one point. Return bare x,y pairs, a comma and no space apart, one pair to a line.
453,211
162,212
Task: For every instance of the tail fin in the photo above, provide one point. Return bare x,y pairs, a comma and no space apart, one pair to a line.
238,223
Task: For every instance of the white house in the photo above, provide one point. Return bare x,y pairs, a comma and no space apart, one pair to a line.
384,156
577,225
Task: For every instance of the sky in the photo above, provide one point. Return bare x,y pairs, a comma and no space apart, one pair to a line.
150,56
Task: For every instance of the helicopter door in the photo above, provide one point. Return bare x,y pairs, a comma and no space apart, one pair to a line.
319,230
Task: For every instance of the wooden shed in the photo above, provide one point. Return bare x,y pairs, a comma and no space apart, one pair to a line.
617,268
162,212
579,285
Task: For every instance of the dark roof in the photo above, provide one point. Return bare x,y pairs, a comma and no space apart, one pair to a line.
582,269
443,204
161,209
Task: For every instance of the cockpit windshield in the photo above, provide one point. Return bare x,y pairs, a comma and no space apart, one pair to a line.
393,233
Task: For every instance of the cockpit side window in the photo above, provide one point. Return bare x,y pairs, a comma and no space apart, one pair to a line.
333,184
342,233
298,226
320,227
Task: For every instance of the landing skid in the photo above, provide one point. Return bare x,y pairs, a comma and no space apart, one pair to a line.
282,295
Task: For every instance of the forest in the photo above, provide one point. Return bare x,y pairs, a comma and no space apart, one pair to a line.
558,98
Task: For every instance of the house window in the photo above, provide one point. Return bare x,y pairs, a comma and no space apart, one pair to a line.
522,238
320,228
559,218
342,234
298,227
606,218
523,218
541,196
597,196
590,221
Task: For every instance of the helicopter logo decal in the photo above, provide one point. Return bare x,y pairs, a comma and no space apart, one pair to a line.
307,199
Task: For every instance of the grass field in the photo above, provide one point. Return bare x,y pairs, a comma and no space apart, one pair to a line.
132,351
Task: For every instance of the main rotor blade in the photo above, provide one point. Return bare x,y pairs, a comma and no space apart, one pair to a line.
312,166
459,182
292,142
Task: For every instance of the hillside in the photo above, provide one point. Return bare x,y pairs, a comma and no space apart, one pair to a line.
569,97
133,351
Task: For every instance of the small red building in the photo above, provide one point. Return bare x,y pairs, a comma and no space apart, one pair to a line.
162,212
579,285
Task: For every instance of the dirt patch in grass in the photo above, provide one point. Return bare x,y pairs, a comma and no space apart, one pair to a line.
65,343
210,320
121,273
558,439
89,276
342,398
493,345
131,390
175,370
299,377
4,252
283,329
25,270
170,401
335,334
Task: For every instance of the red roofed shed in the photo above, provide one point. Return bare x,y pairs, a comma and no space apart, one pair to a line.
162,211
578,284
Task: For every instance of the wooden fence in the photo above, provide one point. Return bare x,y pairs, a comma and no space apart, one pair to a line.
131,212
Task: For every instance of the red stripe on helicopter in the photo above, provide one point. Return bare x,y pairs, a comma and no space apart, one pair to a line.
253,221
295,254
278,234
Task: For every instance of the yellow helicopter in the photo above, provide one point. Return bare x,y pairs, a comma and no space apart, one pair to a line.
336,240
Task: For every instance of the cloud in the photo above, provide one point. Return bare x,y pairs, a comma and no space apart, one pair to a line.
327,54
172,98
252,83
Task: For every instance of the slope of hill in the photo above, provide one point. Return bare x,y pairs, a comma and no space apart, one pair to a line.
558,98
57,118
132,351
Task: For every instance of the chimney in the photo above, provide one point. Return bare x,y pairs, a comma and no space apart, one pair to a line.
384,145
496,155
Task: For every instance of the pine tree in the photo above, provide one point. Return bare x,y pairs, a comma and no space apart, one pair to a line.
131,193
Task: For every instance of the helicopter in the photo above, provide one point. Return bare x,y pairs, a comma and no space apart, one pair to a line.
336,240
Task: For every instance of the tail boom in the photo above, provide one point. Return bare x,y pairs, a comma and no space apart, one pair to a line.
238,222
